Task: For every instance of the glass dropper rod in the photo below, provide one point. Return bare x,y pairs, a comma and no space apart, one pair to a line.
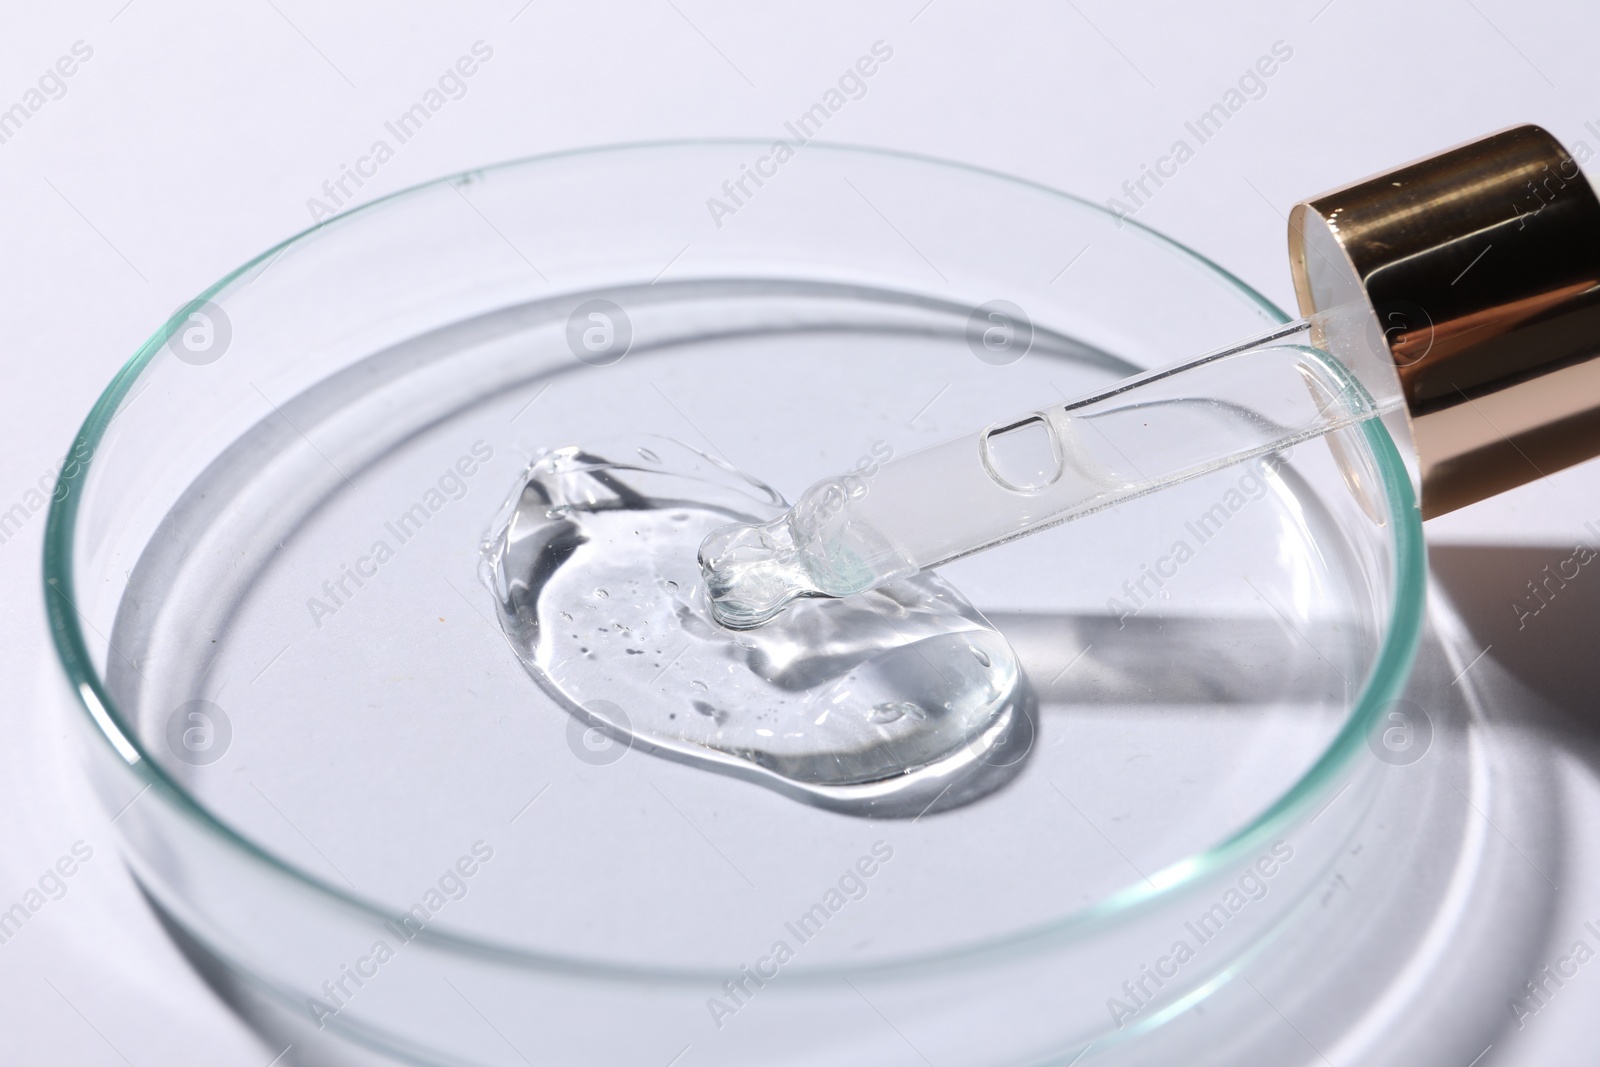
853,533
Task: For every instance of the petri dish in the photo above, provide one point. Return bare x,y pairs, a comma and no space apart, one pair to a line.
381,840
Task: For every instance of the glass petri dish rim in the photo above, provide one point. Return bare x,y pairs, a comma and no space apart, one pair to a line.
1389,672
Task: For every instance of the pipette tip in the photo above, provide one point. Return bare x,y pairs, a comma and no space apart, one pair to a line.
752,572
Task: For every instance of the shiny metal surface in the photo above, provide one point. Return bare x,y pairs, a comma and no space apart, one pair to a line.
1482,267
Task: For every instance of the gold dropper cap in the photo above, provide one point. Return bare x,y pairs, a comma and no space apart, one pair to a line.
1482,268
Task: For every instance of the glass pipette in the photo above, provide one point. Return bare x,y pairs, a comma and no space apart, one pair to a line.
851,534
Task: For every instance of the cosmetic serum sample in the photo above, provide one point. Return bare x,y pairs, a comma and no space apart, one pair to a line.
877,704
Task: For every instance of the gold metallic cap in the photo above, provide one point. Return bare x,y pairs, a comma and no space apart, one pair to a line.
1482,267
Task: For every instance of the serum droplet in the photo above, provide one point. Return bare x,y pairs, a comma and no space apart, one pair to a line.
912,660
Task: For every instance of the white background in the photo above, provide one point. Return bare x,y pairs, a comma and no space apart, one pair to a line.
197,132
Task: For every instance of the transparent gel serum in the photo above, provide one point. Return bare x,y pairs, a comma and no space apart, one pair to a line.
886,704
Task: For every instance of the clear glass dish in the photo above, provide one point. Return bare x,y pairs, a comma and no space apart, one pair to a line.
315,747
